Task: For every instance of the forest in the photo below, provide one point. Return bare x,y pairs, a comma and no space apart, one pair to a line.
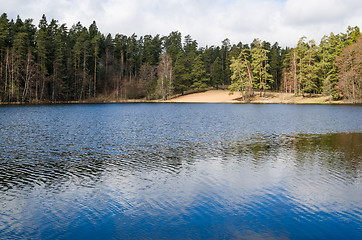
53,63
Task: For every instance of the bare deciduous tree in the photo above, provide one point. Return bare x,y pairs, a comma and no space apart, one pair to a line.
350,71
164,83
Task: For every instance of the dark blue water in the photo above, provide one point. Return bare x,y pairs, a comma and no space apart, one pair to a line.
181,171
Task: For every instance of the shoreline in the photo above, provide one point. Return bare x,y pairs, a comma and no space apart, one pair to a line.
211,96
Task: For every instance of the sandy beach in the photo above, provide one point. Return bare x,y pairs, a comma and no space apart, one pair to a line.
212,96
222,96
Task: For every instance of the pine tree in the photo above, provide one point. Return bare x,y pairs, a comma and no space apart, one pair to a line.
226,60
310,82
241,78
3,45
172,45
217,75
260,67
301,64
182,76
19,56
276,65
42,43
198,74
94,36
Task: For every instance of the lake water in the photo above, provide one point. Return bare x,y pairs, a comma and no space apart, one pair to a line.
181,171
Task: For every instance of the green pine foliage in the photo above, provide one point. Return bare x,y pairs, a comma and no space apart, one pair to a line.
260,67
198,74
216,75
182,75
241,78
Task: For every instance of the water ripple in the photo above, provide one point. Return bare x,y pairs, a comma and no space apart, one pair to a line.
176,171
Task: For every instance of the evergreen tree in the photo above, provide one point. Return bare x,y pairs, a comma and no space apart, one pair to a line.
172,45
260,67
81,54
242,78
190,46
301,64
182,77
287,69
42,43
226,60
151,49
310,82
132,55
94,35
120,45
353,34
3,52
209,55
198,74
217,75
276,64
19,52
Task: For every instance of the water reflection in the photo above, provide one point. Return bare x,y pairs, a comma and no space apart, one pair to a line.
272,183
341,151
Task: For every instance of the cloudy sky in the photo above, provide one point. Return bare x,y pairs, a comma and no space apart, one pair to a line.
207,21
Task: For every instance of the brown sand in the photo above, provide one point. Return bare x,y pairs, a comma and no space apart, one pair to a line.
222,96
212,96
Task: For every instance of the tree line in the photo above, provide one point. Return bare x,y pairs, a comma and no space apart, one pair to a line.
51,62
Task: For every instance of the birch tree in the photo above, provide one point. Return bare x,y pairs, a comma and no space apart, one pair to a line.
164,82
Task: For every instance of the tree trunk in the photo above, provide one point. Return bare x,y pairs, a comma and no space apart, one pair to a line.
6,72
250,86
95,75
295,73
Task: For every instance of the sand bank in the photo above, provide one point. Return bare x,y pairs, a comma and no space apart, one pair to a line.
222,96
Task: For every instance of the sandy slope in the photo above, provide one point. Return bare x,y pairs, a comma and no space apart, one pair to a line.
212,96
222,96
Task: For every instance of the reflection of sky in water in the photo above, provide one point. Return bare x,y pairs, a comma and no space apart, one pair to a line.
141,178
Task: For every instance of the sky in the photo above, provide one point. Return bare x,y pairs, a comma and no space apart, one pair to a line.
207,21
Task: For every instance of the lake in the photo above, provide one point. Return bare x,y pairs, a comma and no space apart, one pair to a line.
181,171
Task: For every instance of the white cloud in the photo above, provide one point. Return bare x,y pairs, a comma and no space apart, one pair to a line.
209,22
309,12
